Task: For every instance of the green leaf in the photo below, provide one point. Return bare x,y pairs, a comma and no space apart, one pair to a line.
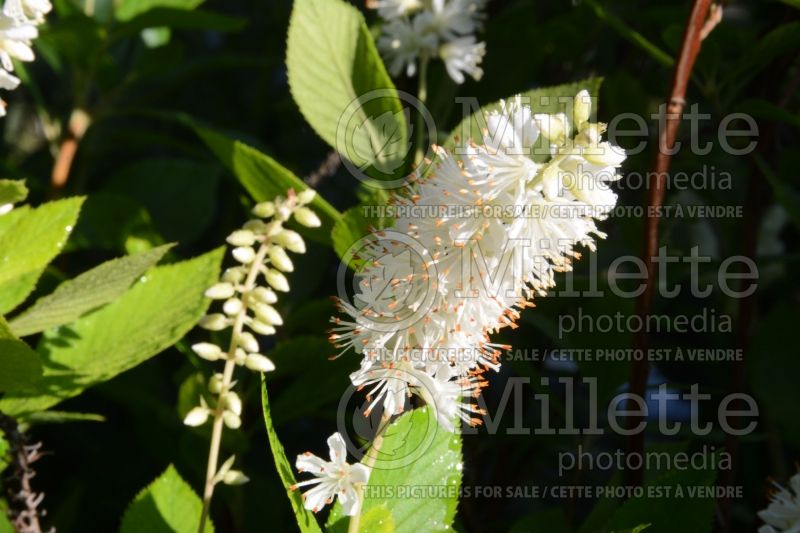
542,100
180,194
12,191
353,226
305,518
128,9
762,109
155,313
88,291
20,366
264,178
29,244
167,505
332,62
114,222
416,454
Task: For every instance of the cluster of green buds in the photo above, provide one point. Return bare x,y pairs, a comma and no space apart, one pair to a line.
248,292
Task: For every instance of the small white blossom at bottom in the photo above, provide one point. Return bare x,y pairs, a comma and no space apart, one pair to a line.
334,478
783,512
463,55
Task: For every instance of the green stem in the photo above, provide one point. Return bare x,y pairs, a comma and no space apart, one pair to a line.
369,462
422,96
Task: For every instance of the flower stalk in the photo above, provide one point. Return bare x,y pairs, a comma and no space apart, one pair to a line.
248,291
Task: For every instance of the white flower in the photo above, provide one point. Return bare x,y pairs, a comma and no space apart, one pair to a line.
463,55
403,42
391,9
333,478
453,18
423,324
27,10
8,81
15,41
783,512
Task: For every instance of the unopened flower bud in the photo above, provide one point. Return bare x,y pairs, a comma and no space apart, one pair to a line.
208,351
306,196
276,280
267,314
244,254
553,127
291,240
196,417
261,328
241,237
234,477
239,356
232,402
307,217
259,363
233,275
582,108
215,383
232,307
256,226
213,322
231,420
265,295
248,342
264,209
280,259
220,291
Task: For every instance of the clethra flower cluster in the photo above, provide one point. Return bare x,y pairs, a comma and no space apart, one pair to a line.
426,29
19,20
783,512
515,207
423,315
248,292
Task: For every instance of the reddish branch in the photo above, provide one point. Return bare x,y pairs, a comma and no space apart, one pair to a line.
697,27
24,503
78,124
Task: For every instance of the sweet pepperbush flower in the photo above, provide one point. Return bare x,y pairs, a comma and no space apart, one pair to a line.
443,352
783,512
332,478
426,29
18,28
